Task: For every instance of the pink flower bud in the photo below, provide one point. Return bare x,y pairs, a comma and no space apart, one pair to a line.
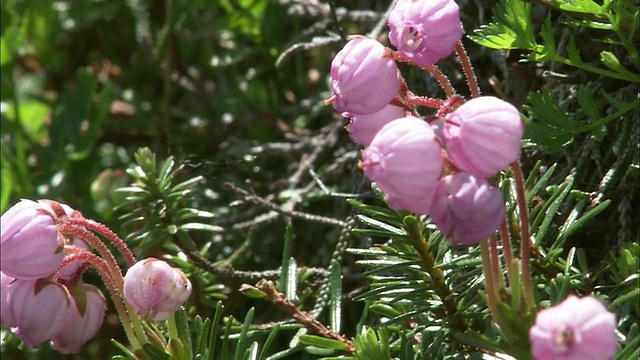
31,246
155,289
364,77
40,309
483,136
6,320
466,209
85,319
362,128
425,31
575,329
404,160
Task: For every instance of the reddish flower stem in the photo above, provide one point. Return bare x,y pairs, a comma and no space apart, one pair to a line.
107,273
495,263
468,70
107,233
506,247
424,101
489,281
78,230
525,247
434,71
69,259
94,241
450,105
442,79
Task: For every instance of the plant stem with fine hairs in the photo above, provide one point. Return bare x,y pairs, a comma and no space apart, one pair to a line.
468,70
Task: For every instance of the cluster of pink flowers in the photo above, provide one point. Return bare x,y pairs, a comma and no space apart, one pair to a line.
45,248
436,165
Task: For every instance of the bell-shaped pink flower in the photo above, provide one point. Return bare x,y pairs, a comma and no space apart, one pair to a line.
466,209
404,160
575,329
364,78
31,247
155,289
483,136
85,319
425,31
40,309
362,128
6,320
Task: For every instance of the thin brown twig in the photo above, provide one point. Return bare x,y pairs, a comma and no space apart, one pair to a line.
249,196
278,299
231,273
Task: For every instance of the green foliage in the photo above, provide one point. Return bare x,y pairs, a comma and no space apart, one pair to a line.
372,345
512,28
550,125
158,211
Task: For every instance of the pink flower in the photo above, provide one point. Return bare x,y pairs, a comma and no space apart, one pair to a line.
466,209
40,309
85,319
364,77
425,31
6,320
483,136
31,246
575,329
404,160
362,128
155,289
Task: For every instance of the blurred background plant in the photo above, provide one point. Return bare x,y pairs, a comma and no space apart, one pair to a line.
247,171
